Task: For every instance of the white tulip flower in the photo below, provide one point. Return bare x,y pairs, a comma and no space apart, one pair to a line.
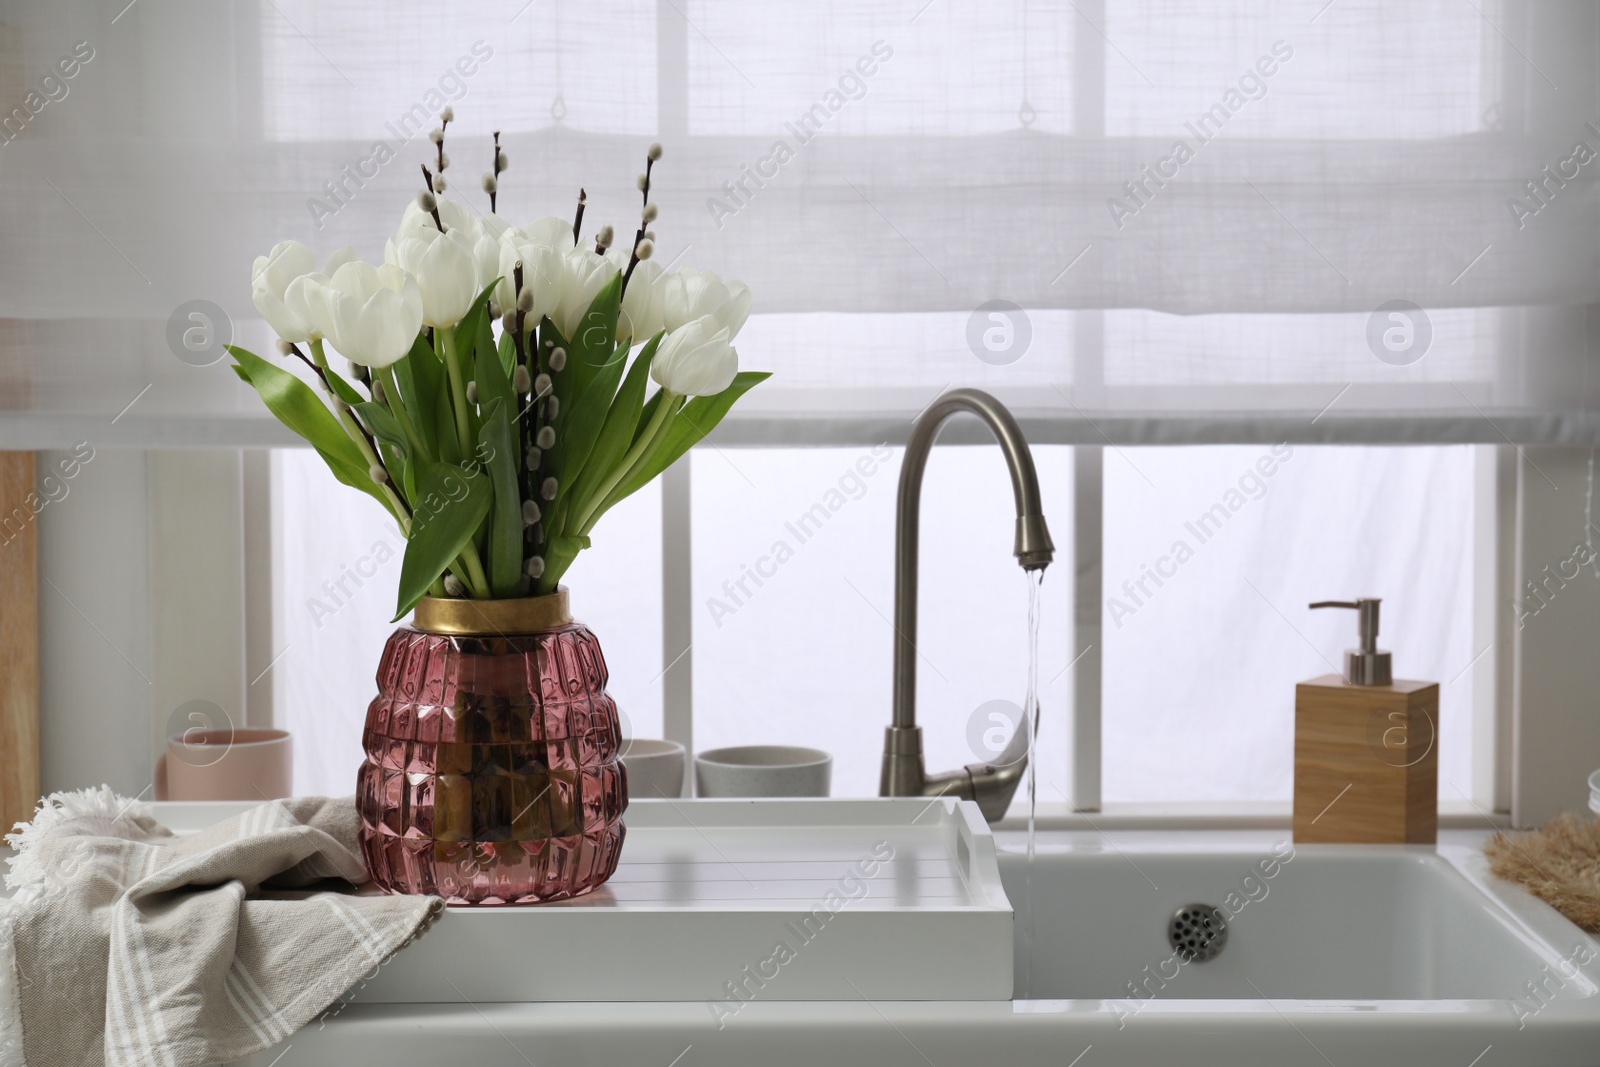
644,301
305,302
696,359
550,231
341,255
486,234
541,273
273,278
691,294
583,275
445,267
453,213
372,314
286,262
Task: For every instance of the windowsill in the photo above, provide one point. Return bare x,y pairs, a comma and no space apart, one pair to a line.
1453,815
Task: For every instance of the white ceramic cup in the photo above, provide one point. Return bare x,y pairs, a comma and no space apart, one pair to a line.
763,771
655,768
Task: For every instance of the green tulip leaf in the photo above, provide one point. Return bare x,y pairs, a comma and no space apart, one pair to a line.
645,417
593,346
617,434
462,339
493,381
467,330
508,354
590,349
698,418
443,421
443,412
498,449
393,445
408,471
450,505
420,376
384,426
343,389
558,556
577,432
294,404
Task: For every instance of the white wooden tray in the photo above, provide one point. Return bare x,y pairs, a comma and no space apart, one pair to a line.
729,901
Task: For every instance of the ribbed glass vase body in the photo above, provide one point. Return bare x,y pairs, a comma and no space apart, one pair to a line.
491,772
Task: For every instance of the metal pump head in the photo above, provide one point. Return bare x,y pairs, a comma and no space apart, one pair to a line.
1364,665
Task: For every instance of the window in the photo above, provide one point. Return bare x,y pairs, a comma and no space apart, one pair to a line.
983,147
794,593
1209,556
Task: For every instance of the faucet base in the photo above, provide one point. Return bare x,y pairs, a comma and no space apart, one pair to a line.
990,785
903,773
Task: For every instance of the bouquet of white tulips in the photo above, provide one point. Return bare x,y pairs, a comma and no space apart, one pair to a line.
496,400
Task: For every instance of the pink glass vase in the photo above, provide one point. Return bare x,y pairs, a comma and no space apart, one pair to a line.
491,773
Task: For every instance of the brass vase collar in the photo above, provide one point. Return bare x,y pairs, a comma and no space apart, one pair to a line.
486,618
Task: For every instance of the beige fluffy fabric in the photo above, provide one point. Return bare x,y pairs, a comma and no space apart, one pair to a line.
128,946
1559,863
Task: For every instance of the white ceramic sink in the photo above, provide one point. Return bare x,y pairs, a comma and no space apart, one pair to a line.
1313,923
1344,957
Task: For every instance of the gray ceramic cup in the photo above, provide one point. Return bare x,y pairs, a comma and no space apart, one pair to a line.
763,771
655,768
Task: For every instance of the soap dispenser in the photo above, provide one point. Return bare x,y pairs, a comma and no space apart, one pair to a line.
1366,753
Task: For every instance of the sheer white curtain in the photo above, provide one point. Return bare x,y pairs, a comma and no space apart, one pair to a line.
1193,217
1200,661
1199,206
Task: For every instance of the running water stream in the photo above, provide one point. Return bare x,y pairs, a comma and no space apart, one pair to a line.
1030,718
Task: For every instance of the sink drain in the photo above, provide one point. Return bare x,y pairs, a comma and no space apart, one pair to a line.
1198,932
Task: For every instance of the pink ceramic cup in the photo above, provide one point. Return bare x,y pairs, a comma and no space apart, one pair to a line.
226,764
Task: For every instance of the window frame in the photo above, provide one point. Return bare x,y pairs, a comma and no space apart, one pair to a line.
1490,802
1495,523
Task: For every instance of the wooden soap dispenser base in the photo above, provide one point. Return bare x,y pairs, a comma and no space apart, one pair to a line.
1366,753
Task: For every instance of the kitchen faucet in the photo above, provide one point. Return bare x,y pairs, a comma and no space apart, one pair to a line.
990,784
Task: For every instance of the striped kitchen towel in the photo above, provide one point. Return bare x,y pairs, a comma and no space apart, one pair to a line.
126,945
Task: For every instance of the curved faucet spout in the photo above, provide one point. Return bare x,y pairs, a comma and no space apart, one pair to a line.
991,785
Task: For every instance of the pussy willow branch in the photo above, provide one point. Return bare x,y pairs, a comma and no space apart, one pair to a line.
644,193
577,221
427,182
